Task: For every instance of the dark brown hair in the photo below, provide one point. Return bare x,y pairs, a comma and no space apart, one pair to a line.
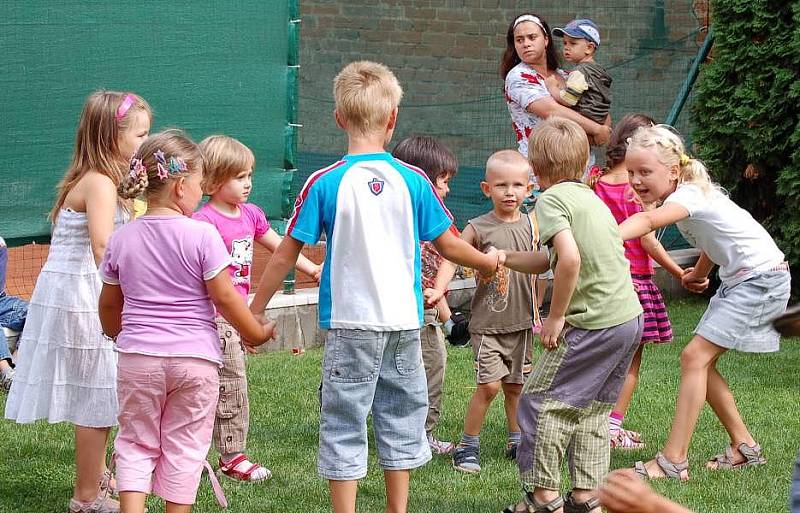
428,154
618,143
510,57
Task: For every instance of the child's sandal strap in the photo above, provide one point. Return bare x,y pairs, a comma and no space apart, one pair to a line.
548,507
671,469
571,506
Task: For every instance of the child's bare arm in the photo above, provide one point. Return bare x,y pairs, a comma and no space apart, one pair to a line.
641,223
443,277
528,262
231,305
278,267
657,252
110,309
565,277
461,252
271,240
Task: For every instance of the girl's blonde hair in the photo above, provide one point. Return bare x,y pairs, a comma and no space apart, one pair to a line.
105,115
667,144
225,158
161,158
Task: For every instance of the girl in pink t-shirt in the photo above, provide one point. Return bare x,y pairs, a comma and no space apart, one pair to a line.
163,275
228,175
611,185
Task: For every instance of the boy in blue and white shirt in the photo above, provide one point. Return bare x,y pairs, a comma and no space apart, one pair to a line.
374,210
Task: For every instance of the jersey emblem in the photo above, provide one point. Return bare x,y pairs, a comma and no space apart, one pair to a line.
375,186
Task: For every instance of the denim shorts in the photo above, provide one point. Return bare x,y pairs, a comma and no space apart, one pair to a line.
740,316
377,372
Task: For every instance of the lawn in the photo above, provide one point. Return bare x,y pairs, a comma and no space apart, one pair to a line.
36,463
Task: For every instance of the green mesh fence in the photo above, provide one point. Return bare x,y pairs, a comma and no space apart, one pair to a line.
206,67
446,58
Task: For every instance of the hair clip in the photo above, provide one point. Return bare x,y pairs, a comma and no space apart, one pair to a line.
137,168
685,159
177,165
159,155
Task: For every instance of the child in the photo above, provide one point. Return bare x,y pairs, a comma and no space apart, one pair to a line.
440,165
611,186
590,336
588,87
501,320
374,210
755,288
227,179
161,274
13,311
66,370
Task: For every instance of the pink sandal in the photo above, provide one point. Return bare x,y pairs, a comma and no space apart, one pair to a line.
229,470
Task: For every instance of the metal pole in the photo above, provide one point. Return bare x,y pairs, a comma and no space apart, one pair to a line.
686,88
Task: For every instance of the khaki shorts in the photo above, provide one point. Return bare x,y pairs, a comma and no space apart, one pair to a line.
502,356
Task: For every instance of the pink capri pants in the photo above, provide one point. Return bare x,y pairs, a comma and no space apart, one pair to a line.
166,418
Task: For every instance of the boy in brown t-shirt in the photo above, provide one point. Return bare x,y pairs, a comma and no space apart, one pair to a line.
502,308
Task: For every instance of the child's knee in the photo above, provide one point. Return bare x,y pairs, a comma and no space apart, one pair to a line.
488,390
693,358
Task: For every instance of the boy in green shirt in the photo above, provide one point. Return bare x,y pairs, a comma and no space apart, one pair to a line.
590,336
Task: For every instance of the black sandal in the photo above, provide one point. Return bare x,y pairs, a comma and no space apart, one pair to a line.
531,506
571,506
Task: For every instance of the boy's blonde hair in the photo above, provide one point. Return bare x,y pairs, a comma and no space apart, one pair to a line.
366,93
665,142
558,150
225,158
507,158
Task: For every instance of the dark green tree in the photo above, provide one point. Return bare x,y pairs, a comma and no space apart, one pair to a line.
747,114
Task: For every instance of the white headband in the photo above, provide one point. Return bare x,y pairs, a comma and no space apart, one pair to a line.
531,18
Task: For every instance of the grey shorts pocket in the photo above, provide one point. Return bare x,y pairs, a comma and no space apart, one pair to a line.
356,356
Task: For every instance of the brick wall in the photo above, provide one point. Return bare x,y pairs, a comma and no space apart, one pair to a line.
446,55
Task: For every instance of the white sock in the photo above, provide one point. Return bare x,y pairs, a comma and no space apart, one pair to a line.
448,326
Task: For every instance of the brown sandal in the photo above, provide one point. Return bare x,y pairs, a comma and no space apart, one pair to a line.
753,457
531,506
571,506
670,469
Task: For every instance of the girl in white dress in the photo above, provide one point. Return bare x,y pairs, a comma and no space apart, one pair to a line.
66,369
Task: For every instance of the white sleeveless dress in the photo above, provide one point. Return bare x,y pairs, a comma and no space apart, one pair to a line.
66,368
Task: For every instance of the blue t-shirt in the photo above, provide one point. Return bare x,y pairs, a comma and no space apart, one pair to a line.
374,210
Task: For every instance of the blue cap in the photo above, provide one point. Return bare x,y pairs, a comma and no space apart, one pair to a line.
580,29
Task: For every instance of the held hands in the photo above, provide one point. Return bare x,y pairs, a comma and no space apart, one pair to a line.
316,274
268,332
693,282
432,297
491,264
551,330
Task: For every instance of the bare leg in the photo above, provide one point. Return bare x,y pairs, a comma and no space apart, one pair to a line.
90,461
174,507
696,360
132,502
397,483
631,380
511,392
721,400
476,412
343,495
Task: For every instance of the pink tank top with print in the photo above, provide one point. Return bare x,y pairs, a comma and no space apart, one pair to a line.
622,202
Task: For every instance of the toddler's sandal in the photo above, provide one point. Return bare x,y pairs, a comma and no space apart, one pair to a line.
230,471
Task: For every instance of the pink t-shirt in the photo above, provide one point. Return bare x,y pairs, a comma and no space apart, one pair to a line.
238,233
162,263
621,200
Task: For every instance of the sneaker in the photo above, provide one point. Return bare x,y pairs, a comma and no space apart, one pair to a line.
459,334
102,504
467,458
6,378
511,449
439,447
622,440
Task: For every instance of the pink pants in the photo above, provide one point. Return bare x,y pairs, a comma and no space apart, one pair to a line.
166,419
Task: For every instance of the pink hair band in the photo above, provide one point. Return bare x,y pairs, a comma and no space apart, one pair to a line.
125,106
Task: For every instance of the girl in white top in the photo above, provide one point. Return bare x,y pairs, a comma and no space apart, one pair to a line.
755,289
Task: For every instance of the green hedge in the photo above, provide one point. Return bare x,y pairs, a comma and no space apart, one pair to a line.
746,114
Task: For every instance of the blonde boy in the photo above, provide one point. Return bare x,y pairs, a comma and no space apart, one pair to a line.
502,308
589,337
374,210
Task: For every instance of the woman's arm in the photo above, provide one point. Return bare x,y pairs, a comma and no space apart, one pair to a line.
642,223
657,252
271,240
546,107
231,305
110,309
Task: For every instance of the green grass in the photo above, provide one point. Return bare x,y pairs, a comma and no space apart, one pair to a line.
36,464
